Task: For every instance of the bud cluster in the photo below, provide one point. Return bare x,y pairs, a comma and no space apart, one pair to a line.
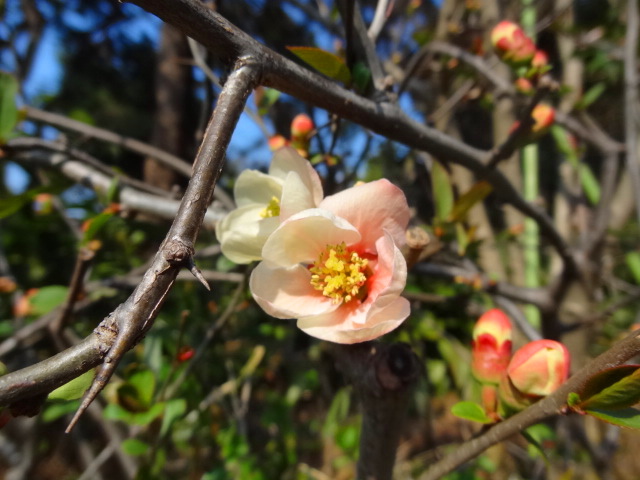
510,383
301,130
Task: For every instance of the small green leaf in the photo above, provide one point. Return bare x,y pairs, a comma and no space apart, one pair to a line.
632,259
267,99
95,225
573,400
622,394
561,137
144,382
48,298
55,410
442,191
174,409
591,95
470,411
589,183
135,447
10,205
74,389
466,201
114,190
536,435
325,62
8,109
623,417
361,77
605,379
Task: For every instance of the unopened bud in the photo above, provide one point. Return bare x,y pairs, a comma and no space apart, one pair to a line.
276,142
491,348
511,44
539,367
301,126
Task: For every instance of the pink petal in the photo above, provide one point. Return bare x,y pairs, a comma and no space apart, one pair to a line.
302,237
330,327
287,292
372,208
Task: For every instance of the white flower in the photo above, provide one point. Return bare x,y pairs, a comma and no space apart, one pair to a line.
266,200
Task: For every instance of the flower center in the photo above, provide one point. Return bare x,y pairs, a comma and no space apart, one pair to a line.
340,273
272,209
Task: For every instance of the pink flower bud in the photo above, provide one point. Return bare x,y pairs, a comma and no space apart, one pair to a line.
491,348
276,142
301,126
539,367
511,44
524,86
540,59
544,116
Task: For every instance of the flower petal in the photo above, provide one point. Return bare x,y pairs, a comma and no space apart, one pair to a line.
253,186
372,208
243,231
287,292
286,160
302,237
330,327
296,196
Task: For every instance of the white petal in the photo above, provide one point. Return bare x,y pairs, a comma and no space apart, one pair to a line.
301,238
243,232
286,160
256,187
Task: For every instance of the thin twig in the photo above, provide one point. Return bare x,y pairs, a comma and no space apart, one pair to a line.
631,100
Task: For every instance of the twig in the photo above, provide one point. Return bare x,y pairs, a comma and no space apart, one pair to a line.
549,406
132,319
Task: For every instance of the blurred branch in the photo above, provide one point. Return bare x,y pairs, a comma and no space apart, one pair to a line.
81,172
554,404
631,100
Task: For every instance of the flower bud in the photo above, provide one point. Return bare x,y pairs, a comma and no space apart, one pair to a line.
544,116
539,367
511,44
301,126
540,59
524,86
276,142
491,348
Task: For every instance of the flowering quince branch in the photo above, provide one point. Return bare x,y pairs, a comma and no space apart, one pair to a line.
549,406
122,329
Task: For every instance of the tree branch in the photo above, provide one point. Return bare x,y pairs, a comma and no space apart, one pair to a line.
549,406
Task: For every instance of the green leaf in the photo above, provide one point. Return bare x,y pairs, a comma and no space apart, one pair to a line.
267,99
361,77
325,62
561,137
144,382
74,389
589,183
48,298
632,259
591,95
605,379
96,224
56,410
8,109
466,201
174,409
622,394
536,435
135,447
470,411
442,191
624,417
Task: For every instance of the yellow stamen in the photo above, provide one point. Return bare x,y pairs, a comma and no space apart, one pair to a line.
340,273
272,209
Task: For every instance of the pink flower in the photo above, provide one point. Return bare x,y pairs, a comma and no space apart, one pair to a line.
491,348
539,367
338,268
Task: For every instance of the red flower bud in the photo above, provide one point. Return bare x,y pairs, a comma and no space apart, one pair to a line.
524,86
544,116
276,142
301,126
511,44
491,348
540,59
539,367
185,353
